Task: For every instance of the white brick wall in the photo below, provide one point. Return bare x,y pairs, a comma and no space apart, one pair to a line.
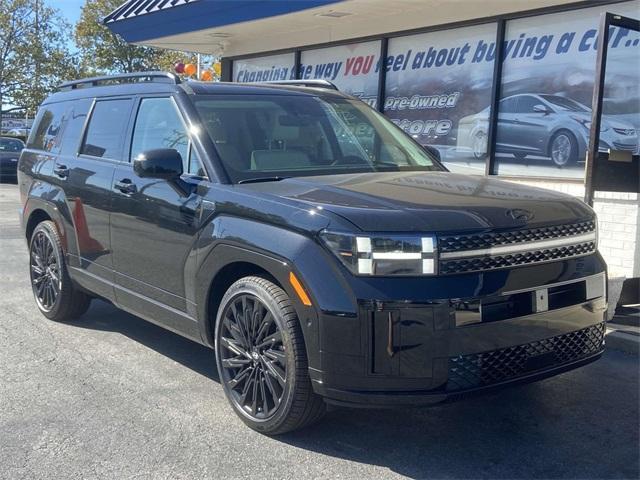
618,218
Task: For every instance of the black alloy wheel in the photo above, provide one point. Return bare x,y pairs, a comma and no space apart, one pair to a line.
45,271
253,356
261,357
57,297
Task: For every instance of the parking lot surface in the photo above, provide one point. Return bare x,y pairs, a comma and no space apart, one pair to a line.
112,396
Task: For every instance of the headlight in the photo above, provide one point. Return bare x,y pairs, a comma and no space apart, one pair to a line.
587,124
384,255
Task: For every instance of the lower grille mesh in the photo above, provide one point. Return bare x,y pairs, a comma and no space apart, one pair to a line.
482,369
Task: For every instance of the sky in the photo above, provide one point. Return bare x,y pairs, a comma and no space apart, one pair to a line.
70,9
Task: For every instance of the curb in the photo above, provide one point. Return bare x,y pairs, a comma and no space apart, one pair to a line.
623,341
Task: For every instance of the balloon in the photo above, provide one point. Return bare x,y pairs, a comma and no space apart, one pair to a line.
206,76
179,67
217,68
190,69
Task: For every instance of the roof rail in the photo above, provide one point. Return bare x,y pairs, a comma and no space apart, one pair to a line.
302,83
162,77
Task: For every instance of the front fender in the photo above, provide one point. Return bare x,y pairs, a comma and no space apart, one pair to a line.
278,251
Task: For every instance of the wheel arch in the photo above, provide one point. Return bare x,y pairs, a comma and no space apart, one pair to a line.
221,282
558,131
231,246
36,217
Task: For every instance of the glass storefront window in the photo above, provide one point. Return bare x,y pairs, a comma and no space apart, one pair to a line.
547,87
264,69
438,89
620,125
353,68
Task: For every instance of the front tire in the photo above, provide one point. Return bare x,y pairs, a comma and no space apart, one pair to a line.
261,358
563,149
56,296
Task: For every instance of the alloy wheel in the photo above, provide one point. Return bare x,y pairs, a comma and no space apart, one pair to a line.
45,271
479,146
253,357
561,149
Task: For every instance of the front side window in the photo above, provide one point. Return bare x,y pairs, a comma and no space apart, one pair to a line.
106,129
264,136
158,125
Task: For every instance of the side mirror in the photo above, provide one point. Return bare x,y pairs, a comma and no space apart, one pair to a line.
162,163
541,109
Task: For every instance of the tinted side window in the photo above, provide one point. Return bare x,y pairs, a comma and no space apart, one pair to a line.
508,105
158,125
49,123
106,129
76,116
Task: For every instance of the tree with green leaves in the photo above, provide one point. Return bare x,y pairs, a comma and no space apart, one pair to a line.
34,57
103,51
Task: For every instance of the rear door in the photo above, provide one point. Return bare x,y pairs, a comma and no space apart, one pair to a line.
154,222
85,170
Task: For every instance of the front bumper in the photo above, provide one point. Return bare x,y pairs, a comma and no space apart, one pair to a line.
400,353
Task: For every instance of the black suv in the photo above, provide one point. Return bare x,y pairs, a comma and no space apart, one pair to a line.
323,254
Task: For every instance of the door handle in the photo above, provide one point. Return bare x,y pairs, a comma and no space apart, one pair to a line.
61,170
126,186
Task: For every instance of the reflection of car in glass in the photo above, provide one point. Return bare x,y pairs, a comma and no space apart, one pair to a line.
544,125
10,149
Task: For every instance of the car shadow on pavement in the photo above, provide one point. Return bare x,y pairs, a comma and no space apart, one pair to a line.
582,424
106,317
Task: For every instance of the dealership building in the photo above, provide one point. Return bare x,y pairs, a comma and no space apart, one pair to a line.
498,87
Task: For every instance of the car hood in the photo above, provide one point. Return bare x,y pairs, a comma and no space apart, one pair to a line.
431,201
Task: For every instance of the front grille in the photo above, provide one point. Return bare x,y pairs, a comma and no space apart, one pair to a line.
467,372
456,243
465,265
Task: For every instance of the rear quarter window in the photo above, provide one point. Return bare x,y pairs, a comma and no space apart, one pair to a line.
49,124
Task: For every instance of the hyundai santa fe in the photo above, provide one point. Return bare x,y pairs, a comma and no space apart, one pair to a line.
324,255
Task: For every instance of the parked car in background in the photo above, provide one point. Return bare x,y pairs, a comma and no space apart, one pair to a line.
544,125
323,254
10,149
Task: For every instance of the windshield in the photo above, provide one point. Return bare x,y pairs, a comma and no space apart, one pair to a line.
565,103
10,145
277,136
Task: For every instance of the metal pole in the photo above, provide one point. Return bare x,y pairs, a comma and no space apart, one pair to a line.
382,73
596,105
498,60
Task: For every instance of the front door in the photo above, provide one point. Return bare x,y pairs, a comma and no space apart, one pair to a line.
154,222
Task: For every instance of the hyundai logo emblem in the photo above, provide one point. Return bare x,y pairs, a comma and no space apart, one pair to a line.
520,214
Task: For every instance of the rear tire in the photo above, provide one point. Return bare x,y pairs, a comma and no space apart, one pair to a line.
261,358
55,294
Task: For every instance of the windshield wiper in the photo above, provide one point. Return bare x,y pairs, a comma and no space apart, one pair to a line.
262,179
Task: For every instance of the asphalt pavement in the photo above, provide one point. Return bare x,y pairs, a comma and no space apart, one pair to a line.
112,396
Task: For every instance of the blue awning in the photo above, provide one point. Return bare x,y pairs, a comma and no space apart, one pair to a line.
142,20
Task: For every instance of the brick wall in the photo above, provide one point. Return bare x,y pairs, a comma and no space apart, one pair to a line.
618,219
